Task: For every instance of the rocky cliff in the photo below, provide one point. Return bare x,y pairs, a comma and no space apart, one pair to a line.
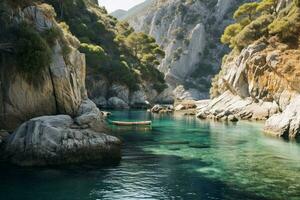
261,81
189,32
57,89
112,66
43,74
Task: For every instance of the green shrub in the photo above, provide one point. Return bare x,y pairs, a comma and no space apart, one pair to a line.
179,33
267,6
51,35
260,19
287,27
33,53
95,55
253,31
160,87
229,34
247,10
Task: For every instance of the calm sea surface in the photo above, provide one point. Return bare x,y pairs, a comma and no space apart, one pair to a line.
178,158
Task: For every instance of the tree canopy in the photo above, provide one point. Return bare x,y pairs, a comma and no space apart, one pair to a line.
257,19
247,10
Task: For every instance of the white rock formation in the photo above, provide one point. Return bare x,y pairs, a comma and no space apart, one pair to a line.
189,32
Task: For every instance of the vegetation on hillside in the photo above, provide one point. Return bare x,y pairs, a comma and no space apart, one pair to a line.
111,47
260,19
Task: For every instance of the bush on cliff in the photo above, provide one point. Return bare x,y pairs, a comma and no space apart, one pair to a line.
287,27
255,30
255,20
32,51
95,28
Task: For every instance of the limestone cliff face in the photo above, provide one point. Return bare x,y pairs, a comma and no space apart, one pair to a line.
189,32
261,82
59,89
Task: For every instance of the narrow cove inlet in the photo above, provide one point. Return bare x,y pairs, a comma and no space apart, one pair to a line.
149,99
178,157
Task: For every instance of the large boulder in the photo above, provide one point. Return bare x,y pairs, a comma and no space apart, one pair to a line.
117,103
100,101
54,140
120,91
287,123
139,99
87,113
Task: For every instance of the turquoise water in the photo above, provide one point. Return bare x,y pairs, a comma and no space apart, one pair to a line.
178,158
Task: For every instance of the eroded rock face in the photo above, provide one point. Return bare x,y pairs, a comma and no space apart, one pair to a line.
59,89
55,140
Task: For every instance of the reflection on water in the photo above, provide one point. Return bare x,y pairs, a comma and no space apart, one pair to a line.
177,158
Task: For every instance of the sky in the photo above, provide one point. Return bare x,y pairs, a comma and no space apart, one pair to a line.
112,5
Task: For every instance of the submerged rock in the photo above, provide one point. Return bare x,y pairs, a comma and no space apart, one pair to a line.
55,140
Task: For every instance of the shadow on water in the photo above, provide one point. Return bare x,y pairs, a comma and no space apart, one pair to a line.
140,175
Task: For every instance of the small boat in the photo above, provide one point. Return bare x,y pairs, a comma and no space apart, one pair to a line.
141,123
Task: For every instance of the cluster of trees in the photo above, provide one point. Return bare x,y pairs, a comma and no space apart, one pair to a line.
112,48
257,19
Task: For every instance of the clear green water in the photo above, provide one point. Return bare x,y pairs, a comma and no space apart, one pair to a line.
179,158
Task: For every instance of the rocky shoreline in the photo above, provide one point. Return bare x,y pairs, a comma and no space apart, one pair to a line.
232,108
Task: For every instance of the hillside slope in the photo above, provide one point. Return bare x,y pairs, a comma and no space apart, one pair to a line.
118,13
134,11
121,64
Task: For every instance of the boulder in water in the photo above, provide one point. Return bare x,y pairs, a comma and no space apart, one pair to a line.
55,140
